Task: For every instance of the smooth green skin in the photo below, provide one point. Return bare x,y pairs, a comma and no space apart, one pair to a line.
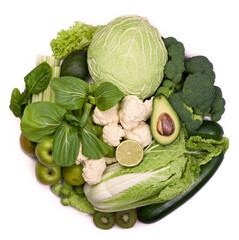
47,175
44,153
208,129
28,147
73,175
155,212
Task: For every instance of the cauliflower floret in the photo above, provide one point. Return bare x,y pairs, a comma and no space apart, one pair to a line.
81,158
141,134
149,108
105,117
93,170
133,110
112,134
109,161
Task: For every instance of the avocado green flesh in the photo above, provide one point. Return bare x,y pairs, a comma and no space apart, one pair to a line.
164,132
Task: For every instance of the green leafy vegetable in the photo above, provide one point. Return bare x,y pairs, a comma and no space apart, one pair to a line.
70,92
35,82
16,103
107,95
41,120
77,37
130,53
165,173
38,79
92,147
66,145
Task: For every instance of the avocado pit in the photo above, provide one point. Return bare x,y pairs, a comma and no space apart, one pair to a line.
165,125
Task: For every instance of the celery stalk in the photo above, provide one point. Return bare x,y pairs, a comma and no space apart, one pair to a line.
48,94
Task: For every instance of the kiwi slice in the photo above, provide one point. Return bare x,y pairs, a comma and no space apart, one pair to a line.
126,218
104,220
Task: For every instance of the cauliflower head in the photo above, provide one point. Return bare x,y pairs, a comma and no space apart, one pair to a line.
93,170
141,134
133,110
112,134
105,117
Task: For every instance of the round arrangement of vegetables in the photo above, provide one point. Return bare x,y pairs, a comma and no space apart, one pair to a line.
123,125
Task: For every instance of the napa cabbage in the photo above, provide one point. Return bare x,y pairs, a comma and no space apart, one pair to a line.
165,173
130,53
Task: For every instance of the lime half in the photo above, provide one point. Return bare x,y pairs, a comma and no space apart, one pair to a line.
129,153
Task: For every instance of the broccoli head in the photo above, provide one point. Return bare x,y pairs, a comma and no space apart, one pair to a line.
218,105
167,87
198,92
191,120
174,68
199,64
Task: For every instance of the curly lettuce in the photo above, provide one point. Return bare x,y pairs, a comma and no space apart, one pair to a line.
77,37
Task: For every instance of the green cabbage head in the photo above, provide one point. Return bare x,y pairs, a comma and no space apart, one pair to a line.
129,53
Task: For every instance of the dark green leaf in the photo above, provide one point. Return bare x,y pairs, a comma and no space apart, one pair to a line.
66,145
18,101
40,120
70,92
38,79
107,95
15,103
92,147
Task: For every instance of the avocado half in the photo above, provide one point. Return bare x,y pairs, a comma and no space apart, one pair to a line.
165,124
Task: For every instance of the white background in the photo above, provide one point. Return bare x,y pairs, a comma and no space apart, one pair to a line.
28,209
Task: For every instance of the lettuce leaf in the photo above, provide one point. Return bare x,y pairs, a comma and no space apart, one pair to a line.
77,37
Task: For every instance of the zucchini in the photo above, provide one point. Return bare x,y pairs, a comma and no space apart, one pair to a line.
209,129
155,212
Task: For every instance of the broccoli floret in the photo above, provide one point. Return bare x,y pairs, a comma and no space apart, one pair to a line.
199,64
218,105
185,113
174,68
168,41
198,92
166,88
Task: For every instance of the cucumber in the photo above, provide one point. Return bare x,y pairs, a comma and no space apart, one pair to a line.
209,129
155,212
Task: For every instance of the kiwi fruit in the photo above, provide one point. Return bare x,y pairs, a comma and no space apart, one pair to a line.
103,220
126,218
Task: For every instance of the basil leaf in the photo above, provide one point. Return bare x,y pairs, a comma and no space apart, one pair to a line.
38,79
70,92
66,145
107,95
92,147
40,120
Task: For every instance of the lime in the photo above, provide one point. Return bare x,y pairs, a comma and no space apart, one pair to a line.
129,153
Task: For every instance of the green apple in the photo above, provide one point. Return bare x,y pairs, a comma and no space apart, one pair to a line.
28,147
44,153
73,174
47,175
